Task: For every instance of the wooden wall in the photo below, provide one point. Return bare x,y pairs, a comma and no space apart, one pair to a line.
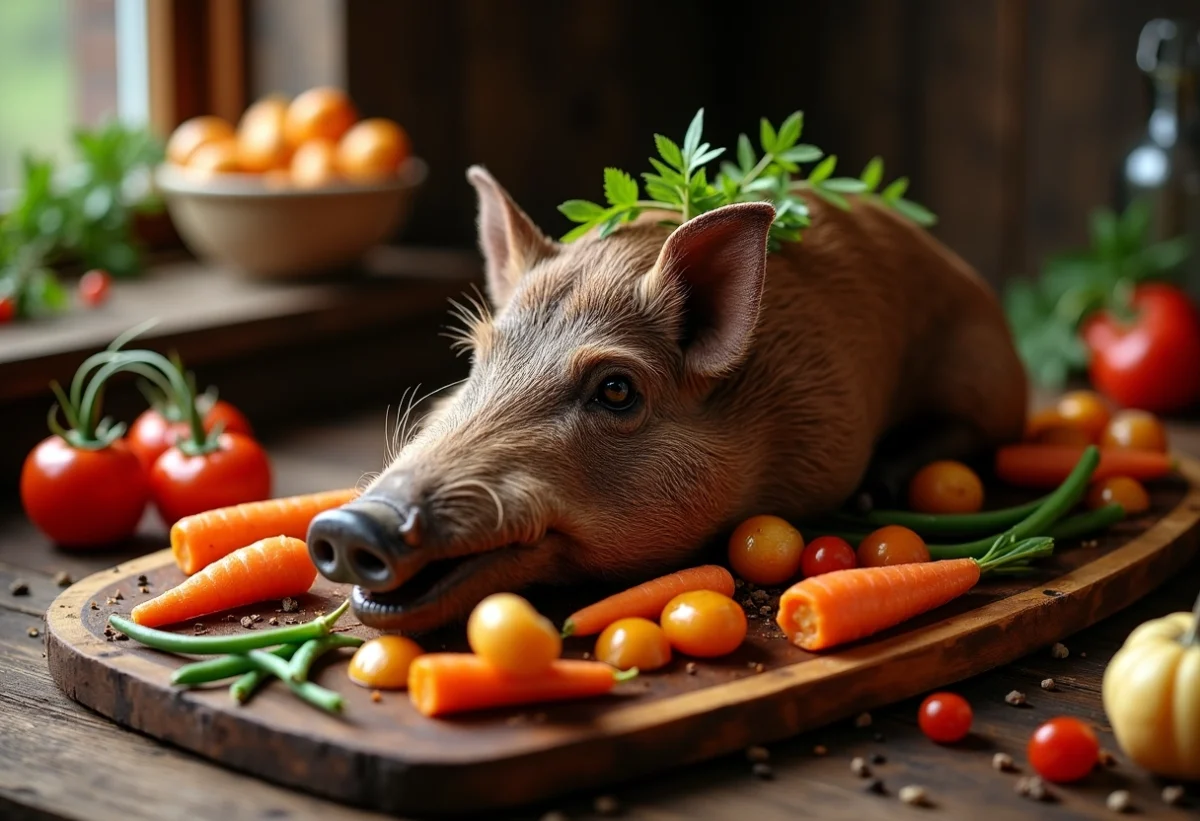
1011,116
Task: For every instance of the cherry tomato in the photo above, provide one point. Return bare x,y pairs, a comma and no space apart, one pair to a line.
237,471
704,623
1135,430
83,498
94,287
633,642
945,717
152,432
1149,362
765,550
1063,749
945,487
892,545
1084,410
1121,490
506,630
8,309
232,419
382,663
826,554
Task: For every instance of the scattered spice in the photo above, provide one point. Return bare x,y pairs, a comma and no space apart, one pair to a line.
758,755
763,770
765,610
288,620
820,750
117,595
63,579
1033,787
607,805
1106,758
1016,698
273,621
1059,650
738,584
748,603
199,629
859,767
690,668
231,617
93,605
289,604
758,668
1119,801
914,796
1172,796
19,587
1003,762
878,759
876,786
1047,684
142,580
1052,592
863,720
122,637
110,601
750,587
376,696
254,617
33,633
247,622
759,596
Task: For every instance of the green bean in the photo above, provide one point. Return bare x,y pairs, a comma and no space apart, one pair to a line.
313,649
221,645
201,672
241,690
949,524
1084,524
327,700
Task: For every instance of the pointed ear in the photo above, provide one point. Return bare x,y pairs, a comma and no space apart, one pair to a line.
509,240
718,263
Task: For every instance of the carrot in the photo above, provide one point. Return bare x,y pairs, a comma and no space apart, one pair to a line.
443,683
845,605
648,599
1045,466
268,569
198,541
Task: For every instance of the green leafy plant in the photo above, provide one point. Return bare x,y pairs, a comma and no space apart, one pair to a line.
82,213
680,183
1047,313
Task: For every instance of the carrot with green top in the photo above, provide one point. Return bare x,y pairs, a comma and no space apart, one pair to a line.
444,683
647,600
198,541
268,569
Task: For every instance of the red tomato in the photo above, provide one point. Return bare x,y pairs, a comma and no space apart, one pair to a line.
94,287
237,471
1149,363
1063,749
151,434
233,419
945,717
8,309
82,498
826,554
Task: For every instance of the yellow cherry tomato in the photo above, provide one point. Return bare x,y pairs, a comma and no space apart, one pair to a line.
704,623
1084,410
633,642
1120,490
382,663
766,550
945,487
1135,430
512,636
892,545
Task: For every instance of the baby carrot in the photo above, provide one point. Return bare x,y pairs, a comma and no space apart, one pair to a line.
647,600
268,569
845,605
199,540
443,683
1044,466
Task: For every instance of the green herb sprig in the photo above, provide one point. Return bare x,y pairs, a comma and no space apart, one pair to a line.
680,183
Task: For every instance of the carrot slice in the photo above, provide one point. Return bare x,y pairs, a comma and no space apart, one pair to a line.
1047,466
845,605
200,540
647,600
444,683
268,569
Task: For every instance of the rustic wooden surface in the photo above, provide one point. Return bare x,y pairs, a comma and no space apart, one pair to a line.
385,756
61,761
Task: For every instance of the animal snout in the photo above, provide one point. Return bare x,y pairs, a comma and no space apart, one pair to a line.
361,542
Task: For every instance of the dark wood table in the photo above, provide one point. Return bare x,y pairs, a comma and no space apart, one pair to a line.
59,761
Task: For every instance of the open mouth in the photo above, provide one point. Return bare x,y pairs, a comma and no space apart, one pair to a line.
431,582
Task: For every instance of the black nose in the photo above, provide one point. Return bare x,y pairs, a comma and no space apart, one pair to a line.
357,544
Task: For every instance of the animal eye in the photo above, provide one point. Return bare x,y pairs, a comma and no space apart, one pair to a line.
616,393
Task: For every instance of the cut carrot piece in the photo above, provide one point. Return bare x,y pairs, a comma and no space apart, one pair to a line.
647,600
268,569
444,683
198,541
1047,466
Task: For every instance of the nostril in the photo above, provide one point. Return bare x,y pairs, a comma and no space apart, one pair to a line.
368,564
323,554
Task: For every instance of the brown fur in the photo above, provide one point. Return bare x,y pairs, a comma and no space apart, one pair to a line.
866,323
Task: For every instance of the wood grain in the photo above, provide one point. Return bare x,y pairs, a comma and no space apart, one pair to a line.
387,757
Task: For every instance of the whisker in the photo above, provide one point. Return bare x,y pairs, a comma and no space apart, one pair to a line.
365,480
450,489
412,406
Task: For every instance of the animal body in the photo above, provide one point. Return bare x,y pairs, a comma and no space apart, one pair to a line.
632,397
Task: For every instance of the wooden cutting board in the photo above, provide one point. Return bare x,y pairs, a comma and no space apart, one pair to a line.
385,756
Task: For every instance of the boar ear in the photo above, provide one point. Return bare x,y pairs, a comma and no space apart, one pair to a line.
718,261
509,240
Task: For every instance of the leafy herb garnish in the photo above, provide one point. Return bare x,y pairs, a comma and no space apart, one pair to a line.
680,183
1046,313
